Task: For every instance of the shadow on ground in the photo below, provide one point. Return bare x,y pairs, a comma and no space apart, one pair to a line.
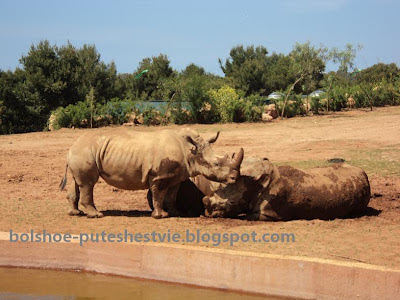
126,213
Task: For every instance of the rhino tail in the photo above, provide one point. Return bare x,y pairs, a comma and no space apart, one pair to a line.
64,179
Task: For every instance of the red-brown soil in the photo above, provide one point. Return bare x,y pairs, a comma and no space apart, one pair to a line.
31,167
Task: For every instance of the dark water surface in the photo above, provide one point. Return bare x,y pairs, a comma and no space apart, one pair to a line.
29,284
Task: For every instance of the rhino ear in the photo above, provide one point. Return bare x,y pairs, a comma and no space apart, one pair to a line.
191,141
213,139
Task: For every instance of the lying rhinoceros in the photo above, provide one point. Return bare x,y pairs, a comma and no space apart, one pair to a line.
134,160
267,192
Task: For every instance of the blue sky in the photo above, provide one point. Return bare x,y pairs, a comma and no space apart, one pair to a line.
199,31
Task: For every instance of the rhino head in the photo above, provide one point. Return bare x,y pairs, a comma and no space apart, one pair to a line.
230,200
203,161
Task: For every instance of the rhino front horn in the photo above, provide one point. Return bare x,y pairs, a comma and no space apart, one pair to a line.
238,158
206,201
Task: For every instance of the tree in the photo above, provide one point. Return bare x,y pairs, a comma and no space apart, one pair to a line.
307,66
378,72
247,68
278,75
90,101
346,60
152,84
193,69
16,114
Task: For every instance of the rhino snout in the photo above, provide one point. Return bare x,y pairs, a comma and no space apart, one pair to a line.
211,210
233,176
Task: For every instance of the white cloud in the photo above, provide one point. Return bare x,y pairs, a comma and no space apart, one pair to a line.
309,6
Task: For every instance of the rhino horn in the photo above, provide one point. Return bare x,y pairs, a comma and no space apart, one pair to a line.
213,139
237,158
206,201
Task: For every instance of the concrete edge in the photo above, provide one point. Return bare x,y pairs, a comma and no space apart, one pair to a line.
268,274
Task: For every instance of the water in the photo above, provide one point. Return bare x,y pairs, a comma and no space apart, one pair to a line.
28,284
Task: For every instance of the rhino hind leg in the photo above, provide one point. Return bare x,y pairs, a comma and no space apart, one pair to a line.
73,199
85,176
86,192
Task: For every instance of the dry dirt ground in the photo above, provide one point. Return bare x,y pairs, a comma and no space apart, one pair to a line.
31,167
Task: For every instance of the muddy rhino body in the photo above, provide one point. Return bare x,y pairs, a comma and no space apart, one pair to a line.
133,160
272,193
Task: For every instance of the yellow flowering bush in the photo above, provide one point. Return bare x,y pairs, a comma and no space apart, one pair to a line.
226,101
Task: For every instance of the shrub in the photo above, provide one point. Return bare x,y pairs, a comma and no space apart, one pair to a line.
118,110
77,115
247,112
294,106
339,96
178,114
226,101
150,117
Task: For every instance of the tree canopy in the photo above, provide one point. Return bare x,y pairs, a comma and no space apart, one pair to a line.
53,77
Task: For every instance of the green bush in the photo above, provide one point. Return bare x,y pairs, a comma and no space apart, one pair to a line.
226,101
294,106
247,111
77,115
150,117
338,98
178,114
117,110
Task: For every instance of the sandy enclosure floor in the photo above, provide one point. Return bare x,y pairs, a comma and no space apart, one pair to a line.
31,167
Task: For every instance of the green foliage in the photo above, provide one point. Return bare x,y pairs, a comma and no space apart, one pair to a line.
307,65
345,58
378,72
59,76
74,115
252,71
294,106
117,111
248,111
81,90
226,102
339,98
178,114
193,69
152,84
150,116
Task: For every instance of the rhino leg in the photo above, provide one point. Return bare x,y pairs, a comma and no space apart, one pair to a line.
158,200
170,201
86,176
87,202
73,199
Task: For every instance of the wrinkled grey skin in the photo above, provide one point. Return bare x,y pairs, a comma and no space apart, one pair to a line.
270,193
133,160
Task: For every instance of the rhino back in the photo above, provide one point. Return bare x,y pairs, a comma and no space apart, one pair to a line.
324,193
126,159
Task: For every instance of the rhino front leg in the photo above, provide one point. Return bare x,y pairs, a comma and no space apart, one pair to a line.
86,192
171,201
73,199
158,200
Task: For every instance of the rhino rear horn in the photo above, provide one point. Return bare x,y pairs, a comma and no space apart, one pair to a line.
213,139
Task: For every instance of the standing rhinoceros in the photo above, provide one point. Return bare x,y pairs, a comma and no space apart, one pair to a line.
134,160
